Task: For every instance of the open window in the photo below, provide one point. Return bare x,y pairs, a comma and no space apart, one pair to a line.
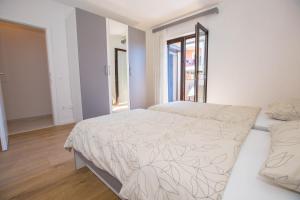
187,66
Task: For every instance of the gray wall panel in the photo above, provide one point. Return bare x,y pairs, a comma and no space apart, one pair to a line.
137,64
92,53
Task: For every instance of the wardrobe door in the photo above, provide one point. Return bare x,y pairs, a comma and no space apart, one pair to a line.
92,53
137,68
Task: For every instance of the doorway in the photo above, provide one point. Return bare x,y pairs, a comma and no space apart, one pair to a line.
25,78
187,66
119,70
121,79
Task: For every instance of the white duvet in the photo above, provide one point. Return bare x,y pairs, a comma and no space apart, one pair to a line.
159,155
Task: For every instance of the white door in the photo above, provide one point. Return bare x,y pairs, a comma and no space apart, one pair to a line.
3,125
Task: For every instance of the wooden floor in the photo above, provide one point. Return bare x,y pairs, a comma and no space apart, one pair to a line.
28,124
37,167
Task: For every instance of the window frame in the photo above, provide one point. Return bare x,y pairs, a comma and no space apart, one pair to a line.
182,41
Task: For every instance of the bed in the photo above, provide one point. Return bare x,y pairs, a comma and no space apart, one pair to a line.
160,154
264,122
244,182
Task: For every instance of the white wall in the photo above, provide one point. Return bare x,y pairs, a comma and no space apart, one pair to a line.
23,59
254,48
51,16
72,46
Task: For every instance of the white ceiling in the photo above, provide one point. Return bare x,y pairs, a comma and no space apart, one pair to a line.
141,13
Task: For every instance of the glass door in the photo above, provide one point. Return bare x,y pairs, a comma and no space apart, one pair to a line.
175,59
189,69
187,66
201,51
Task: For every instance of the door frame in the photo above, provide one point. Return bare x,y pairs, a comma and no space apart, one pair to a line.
51,68
117,72
3,128
182,70
110,64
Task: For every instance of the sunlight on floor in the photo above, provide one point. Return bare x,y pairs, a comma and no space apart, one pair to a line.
120,108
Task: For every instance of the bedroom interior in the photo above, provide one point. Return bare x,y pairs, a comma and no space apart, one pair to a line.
154,100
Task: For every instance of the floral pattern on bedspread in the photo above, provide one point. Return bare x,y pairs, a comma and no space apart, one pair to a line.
158,155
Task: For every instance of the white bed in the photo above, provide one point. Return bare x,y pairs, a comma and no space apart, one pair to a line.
264,122
245,182
160,154
117,144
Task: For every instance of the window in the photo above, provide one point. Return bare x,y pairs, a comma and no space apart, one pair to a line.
187,66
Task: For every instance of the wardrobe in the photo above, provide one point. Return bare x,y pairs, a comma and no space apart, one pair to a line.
94,69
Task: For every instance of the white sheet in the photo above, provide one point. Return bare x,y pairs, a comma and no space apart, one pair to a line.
245,182
264,122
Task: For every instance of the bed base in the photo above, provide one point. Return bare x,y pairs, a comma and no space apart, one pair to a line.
111,182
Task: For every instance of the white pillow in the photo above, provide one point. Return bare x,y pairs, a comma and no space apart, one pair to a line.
283,164
286,111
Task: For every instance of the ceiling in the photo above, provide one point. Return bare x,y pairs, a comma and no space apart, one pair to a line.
143,14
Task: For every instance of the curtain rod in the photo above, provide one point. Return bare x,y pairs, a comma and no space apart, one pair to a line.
210,11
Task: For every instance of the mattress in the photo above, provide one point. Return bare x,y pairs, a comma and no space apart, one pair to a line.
245,182
264,122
